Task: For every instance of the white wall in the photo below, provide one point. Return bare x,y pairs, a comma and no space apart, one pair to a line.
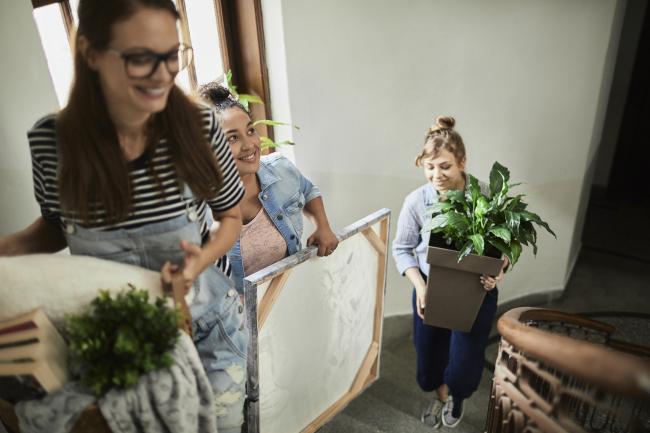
524,78
27,94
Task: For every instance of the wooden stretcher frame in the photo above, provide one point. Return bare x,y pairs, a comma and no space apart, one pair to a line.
278,274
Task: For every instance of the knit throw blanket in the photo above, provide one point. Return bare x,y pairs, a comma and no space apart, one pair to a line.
175,399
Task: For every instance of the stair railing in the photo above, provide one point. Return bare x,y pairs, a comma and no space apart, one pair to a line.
558,372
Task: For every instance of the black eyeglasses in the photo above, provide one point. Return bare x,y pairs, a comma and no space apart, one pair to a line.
144,63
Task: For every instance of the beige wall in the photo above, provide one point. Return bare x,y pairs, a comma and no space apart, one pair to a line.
27,94
524,78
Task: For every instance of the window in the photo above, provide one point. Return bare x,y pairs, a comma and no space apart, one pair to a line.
223,34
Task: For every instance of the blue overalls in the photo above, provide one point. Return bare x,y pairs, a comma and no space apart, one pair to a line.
218,318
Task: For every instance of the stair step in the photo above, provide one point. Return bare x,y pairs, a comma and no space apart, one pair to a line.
399,367
344,423
380,415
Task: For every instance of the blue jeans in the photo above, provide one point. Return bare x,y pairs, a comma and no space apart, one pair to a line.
451,357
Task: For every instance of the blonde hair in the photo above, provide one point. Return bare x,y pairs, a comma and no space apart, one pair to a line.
440,136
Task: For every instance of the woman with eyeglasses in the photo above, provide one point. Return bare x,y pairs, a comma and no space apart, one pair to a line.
131,170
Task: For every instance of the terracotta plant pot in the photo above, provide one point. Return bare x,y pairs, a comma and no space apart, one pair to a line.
454,291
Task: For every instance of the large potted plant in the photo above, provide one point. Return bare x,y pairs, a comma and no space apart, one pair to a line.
469,233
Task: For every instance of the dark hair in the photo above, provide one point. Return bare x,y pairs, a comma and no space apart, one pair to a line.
219,97
442,135
93,170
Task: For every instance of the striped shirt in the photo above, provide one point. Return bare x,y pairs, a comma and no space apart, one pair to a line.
150,203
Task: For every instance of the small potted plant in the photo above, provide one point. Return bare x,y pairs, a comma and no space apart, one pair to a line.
469,233
121,338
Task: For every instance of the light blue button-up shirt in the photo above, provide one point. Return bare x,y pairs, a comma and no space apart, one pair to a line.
410,246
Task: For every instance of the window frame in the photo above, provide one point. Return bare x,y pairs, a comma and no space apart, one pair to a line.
241,38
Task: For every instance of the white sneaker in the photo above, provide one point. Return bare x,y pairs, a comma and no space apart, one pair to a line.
431,414
448,418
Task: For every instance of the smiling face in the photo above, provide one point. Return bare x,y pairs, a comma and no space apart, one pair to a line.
444,171
132,99
243,139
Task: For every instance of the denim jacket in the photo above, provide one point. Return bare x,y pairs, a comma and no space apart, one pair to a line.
284,193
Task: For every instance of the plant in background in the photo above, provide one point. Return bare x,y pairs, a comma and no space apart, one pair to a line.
246,99
119,339
473,222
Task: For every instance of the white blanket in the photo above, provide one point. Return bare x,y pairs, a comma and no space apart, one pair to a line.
63,284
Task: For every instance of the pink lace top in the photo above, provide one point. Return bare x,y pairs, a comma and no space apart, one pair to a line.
261,243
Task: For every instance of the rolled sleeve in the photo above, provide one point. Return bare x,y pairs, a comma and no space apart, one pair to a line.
407,237
308,189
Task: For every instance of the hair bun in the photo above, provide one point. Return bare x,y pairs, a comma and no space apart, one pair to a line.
446,122
215,92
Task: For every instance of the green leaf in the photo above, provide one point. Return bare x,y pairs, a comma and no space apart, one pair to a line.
455,196
466,250
499,176
285,142
482,207
474,189
439,221
457,221
502,233
229,84
250,99
270,123
267,142
439,207
515,247
529,216
512,221
479,243
501,246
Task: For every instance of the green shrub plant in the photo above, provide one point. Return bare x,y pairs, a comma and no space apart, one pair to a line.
121,338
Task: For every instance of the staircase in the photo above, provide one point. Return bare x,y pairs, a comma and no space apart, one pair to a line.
611,289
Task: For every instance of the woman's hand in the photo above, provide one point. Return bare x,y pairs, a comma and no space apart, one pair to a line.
420,300
324,237
194,262
414,276
326,240
167,275
489,283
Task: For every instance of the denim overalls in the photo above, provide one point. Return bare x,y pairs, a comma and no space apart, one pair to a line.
218,318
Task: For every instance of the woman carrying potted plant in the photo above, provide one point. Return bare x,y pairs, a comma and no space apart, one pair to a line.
448,362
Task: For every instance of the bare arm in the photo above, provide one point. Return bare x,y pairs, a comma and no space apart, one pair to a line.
414,276
41,236
323,236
